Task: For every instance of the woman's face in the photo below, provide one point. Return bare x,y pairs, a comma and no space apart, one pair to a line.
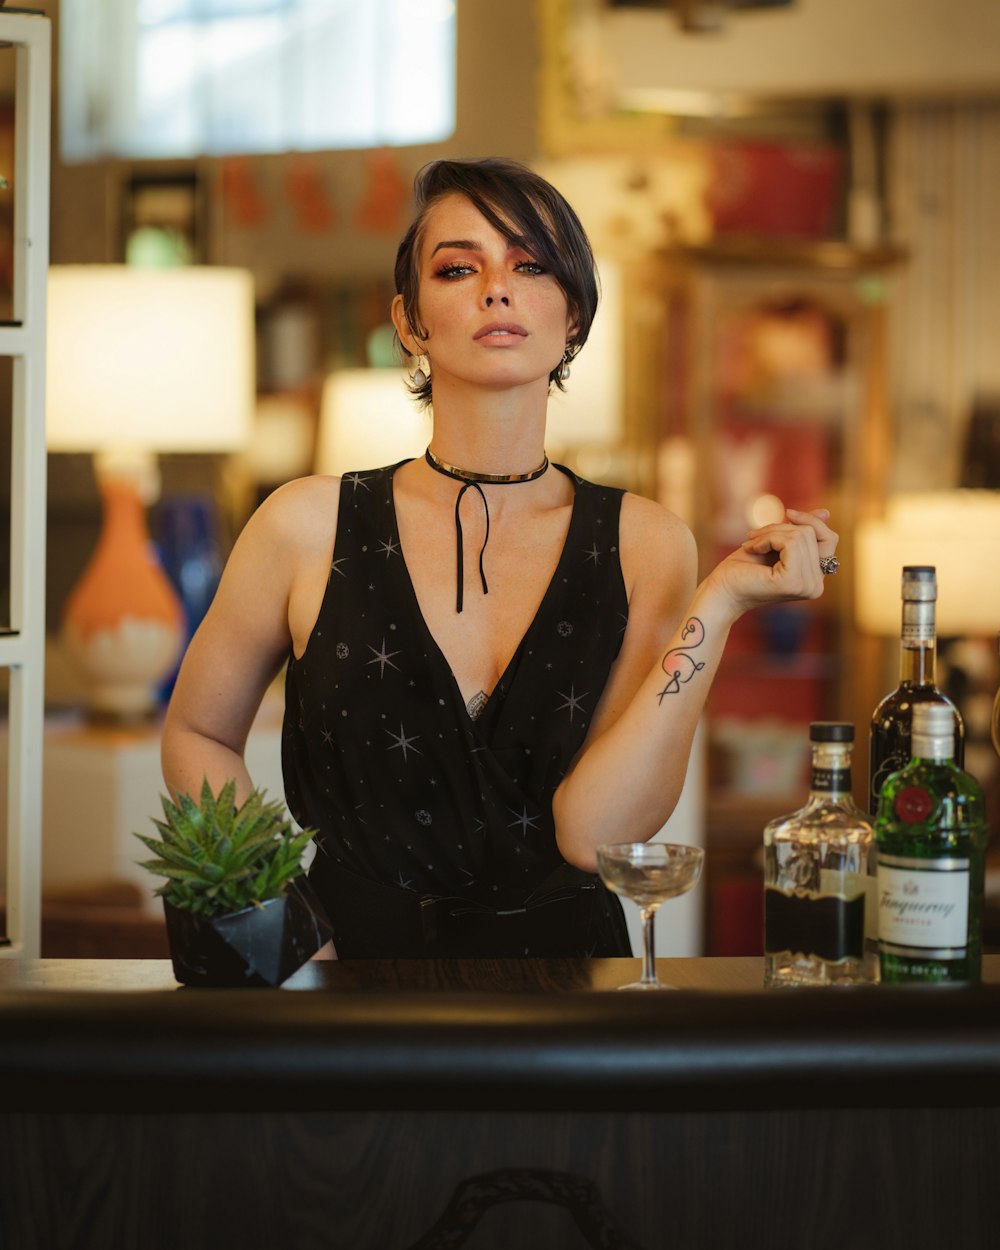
493,316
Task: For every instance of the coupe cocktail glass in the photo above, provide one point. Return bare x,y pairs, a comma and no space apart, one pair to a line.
649,873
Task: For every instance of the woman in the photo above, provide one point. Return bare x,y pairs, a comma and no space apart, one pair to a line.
494,666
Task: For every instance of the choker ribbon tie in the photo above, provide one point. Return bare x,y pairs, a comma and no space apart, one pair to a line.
469,478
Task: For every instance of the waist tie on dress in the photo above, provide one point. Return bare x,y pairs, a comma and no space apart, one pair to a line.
562,917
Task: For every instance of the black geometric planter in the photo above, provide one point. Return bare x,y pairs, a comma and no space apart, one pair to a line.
253,947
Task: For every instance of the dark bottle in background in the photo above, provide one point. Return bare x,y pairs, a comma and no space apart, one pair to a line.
931,837
889,744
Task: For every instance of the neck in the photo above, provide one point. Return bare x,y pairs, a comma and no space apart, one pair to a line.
498,432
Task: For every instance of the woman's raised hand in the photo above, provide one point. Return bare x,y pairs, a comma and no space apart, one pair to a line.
778,563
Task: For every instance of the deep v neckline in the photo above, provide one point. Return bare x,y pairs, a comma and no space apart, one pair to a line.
501,686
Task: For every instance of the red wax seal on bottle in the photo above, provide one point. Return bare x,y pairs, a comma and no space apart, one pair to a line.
913,805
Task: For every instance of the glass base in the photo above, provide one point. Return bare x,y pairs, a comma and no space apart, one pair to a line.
647,985
797,970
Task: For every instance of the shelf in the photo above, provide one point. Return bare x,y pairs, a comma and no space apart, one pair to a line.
821,254
22,337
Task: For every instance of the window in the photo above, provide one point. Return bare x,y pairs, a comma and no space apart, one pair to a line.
183,78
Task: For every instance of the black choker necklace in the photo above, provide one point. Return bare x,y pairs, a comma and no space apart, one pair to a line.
470,478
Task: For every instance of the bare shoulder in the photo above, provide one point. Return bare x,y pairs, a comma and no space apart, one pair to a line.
656,545
300,515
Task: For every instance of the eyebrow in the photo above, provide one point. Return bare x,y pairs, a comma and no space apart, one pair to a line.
463,245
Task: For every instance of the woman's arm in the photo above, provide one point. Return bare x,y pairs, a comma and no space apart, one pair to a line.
627,779
266,604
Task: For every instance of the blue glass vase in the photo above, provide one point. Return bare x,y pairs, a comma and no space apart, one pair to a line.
188,546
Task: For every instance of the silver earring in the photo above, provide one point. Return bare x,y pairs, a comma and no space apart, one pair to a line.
418,378
564,369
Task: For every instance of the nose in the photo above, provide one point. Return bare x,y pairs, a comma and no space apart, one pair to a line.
494,280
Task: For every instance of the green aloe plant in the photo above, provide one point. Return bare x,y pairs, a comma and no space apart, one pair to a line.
219,858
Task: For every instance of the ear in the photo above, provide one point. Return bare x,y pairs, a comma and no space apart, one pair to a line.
399,319
572,327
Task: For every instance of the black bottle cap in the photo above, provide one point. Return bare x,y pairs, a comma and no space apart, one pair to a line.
831,731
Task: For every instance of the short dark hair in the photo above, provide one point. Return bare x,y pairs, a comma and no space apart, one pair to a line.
525,209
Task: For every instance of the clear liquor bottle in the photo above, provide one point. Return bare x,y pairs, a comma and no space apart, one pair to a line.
931,836
889,742
819,877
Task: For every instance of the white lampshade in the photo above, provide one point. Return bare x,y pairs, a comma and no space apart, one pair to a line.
590,411
956,531
368,419
161,359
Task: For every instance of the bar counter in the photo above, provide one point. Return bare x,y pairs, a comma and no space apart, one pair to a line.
377,1103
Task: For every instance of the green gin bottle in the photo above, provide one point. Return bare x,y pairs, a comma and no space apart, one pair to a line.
819,877
931,836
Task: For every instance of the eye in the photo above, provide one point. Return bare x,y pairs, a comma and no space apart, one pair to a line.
530,266
454,269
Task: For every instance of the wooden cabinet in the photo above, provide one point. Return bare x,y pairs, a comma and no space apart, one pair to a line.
758,372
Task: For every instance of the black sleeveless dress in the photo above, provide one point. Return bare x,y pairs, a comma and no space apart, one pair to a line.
435,831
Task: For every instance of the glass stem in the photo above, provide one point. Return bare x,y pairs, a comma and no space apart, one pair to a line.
648,945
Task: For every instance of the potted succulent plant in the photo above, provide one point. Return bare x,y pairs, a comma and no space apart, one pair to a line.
239,910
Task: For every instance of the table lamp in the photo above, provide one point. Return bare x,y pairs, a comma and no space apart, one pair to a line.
368,419
956,531
140,361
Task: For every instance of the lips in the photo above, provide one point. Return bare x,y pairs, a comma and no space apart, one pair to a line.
500,330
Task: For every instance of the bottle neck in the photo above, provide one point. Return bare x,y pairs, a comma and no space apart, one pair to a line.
918,644
831,770
934,749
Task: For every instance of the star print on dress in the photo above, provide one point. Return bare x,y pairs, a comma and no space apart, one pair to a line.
356,480
572,701
525,821
383,657
402,743
389,546
592,554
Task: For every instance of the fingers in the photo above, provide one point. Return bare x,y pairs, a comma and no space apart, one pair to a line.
793,553
826,538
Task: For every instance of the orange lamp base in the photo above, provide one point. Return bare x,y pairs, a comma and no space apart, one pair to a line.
123,621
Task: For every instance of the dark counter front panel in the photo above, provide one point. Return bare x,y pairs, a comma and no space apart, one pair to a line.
360,1111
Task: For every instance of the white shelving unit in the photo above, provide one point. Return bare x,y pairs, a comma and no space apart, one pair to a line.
22,645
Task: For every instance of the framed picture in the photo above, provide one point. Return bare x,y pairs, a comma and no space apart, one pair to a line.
579,113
